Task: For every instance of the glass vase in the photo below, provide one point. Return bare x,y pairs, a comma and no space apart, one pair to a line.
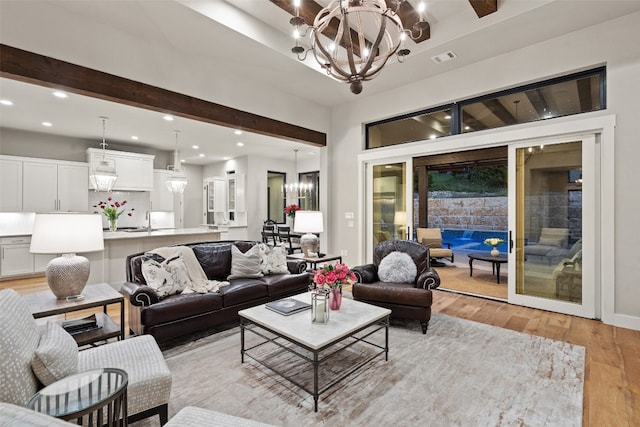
113,224
335,299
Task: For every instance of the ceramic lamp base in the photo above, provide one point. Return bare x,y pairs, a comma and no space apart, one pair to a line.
309,243
67,275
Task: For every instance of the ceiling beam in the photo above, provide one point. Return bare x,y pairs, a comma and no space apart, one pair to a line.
308,11
41,70
584,93
538,101
500,111
484,7
409,17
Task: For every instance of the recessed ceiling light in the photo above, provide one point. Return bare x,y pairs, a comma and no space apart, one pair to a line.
5,102
201,155
168,117
47,124
467,127
195,147
226,158
240,144
182,161
135,138
60,94
433,137
238,132
447,117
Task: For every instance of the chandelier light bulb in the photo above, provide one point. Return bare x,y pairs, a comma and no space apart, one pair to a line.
296,33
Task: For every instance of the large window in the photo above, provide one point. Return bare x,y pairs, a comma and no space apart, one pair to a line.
572,94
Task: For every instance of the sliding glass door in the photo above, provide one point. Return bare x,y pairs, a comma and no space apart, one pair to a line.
552,225
387,204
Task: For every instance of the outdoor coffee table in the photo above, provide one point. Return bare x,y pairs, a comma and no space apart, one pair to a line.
354,323
486,256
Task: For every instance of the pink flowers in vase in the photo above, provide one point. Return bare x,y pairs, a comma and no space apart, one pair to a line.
334,276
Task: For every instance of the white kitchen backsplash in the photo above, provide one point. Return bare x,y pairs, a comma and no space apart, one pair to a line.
139,201
16,223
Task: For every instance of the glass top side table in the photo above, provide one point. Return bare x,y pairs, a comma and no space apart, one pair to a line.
100,391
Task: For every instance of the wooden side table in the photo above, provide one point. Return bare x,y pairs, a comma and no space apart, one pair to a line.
100,395
45,304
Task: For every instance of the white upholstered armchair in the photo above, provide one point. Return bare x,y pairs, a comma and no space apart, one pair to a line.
31,357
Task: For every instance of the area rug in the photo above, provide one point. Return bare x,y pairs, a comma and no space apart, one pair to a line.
461,373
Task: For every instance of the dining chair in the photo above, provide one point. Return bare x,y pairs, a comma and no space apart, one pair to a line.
284,236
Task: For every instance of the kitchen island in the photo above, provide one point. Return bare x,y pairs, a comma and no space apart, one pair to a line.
109,266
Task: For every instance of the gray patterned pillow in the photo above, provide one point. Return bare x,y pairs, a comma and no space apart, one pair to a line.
245,265
168,277
397,267
56,356
273,260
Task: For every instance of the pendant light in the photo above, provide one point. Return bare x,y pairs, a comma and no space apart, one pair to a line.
297,190
177,181
104,176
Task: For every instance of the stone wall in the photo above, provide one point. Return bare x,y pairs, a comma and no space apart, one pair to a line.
473,213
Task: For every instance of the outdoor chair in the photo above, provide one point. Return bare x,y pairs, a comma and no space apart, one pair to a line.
551,246
432,238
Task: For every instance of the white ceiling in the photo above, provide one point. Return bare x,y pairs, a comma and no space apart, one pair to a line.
238,34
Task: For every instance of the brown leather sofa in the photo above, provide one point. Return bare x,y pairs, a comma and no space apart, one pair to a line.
178,315
405,300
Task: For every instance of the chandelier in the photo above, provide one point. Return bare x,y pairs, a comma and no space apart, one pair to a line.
352,40
297,190
177,181
104,176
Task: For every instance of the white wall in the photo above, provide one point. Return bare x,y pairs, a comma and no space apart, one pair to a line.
613,43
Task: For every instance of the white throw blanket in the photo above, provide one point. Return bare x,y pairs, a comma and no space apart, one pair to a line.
199,281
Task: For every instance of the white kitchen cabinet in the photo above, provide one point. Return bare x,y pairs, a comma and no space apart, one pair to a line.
50,186
135,171
10,185
235,193
161,197
15,257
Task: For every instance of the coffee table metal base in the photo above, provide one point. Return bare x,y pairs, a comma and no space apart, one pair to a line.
315,359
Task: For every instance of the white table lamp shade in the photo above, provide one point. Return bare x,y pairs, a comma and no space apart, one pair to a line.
66,234
308,222
62,233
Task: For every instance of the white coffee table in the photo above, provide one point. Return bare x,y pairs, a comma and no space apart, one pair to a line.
353,323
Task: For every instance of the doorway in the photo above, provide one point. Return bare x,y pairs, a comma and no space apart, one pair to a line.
464,194
275,196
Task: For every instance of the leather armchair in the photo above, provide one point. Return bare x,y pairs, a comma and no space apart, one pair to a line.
405,300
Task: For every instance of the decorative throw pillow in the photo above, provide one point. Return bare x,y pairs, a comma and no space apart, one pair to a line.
551,240
432,243
273,260
245,265
56,356
166,278
397,267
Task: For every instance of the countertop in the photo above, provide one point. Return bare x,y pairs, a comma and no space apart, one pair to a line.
114,235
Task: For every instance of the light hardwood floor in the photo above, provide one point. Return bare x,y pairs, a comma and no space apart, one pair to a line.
612,372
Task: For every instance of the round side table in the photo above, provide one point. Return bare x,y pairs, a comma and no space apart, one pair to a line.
100,394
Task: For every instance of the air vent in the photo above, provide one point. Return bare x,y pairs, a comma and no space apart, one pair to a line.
444,57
